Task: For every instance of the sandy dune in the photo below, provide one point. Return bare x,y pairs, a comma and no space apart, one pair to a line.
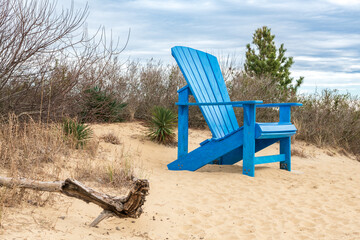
320,199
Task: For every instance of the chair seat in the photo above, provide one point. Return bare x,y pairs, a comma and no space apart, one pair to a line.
264,131
274,130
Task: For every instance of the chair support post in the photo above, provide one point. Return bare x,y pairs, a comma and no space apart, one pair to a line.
285,114
285,143
183,122
249,140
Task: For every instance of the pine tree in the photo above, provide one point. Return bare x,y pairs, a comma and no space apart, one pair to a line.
267,61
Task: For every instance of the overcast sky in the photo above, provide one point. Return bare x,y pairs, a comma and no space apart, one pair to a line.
322,36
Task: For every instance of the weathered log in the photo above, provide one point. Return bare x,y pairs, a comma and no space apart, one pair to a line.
123,207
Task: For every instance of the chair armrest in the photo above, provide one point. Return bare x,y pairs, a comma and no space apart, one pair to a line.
278,105
235,104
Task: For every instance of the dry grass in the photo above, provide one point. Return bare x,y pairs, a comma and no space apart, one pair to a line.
117,173
27,148
110,138
32,150
298,152
39,151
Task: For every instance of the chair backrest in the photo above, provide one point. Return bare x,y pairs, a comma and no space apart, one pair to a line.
203,75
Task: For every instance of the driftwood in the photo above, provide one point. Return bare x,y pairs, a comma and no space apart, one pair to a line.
124,207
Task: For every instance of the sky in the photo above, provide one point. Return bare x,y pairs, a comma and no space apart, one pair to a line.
322,36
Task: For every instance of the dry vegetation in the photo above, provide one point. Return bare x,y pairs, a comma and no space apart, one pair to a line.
40,84
110,138
40,151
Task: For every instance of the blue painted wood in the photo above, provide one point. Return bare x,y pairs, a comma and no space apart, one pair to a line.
278,105
237,154
202,72
238,103
190,78
276,135
196,66
218,91
285,148
285,114
229,143
249,140
285,143
207,153
185,88
221,83
275,127
210,87
183,123
269,159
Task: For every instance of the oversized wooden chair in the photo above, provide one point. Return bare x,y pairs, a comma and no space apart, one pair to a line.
229,143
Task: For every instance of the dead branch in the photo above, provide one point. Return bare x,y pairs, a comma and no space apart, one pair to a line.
128,206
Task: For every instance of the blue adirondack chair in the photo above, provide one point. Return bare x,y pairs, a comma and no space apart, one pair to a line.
229,143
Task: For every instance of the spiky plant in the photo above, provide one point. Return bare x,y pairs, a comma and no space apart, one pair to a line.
162,124
77,133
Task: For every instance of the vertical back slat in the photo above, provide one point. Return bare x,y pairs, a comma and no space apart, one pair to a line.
195,88
207,90
221,83
203,75
216,91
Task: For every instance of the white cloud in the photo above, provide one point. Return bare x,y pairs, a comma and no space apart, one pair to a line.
323,36
347,3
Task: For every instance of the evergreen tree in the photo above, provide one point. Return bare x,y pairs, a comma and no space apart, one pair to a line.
267,61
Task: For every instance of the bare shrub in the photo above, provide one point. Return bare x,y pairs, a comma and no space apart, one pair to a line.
46,61
242,88
110,138
329,118
298,152
144,85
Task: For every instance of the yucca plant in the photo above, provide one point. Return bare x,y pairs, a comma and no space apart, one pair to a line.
162,124
77,133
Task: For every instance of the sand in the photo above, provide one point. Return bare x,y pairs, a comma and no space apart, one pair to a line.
319,199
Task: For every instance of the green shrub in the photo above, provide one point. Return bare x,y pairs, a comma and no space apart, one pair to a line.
162,124
76,133
100,106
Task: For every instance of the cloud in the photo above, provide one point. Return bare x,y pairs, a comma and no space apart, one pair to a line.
345,3
323,36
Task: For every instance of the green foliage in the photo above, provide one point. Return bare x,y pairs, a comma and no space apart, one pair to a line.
162,124
101,107
76,133
267,61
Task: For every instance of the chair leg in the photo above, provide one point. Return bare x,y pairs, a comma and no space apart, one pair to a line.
285,148
183,124
248,161
249,140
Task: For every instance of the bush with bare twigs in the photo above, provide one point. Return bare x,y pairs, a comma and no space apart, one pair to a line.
37,74
110,138
329,118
